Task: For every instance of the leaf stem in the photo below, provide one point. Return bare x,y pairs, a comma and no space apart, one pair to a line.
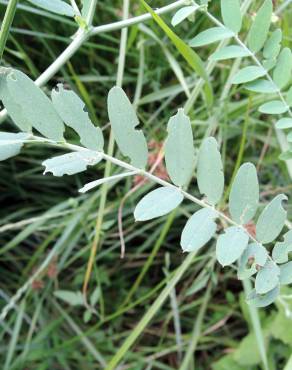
7,21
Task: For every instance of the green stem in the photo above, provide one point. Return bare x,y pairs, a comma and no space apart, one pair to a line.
156,305
196,331
256,323
7,21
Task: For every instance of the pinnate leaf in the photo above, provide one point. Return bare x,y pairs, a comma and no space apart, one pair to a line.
282,249
211,35
254,255
72,111
248,74
179,149
282,71
72,298
123,119
231,245
182,14
33,104
158,203
286,273
71,163
11,144
244,194
271,220
274,107
261,86
231,14
273,45
55,6
210,174
230,52
267,278
263,300
199,229
260,28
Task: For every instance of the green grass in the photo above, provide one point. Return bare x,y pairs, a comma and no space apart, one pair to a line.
144,296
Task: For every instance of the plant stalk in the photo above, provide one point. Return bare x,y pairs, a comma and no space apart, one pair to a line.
6,24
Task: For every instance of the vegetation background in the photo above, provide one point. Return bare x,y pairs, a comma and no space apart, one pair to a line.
205,318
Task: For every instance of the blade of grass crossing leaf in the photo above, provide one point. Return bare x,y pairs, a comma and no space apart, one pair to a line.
189,55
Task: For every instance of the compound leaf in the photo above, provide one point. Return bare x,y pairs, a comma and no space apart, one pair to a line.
284,123
282,249
11,144
211,35
263,300
244,194
273,45
72,298
231,14
72,111
261,86
33,104
271,220
199,229
274,107
55,6
230,52
71,163
286,273
248,74
267,278
231,245
260,28
182,14
254,255
158,203
123,119
282,71
179,149
210,174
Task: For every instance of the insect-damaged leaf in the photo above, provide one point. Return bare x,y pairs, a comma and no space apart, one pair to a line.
282,71
267,278
282,249
263,300
260,28
71,163
179,149
72,111
244,194
158,203
11,144
231,14
271,220
123,119
254,255
211,35
55,6
199,229
28,103
182,14
210,174
248,74
231,245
